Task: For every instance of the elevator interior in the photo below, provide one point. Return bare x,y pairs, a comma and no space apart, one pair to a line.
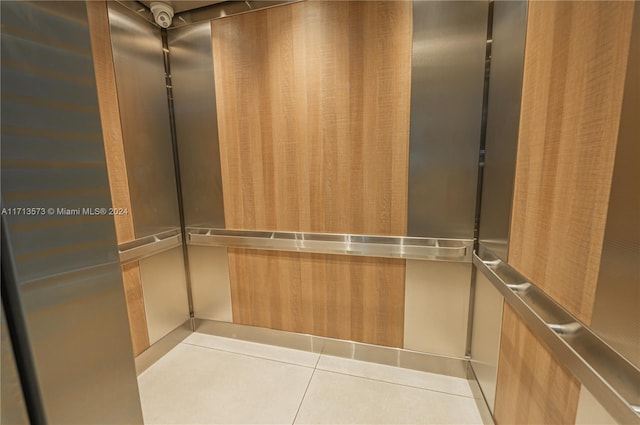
363,179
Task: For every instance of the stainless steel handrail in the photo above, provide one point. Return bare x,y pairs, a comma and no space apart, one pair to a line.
149,245
612,379
457,250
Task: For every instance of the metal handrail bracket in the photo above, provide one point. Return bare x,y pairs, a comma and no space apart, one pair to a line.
612,379
457,250
149,245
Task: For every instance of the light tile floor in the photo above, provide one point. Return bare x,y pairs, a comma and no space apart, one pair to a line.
213,380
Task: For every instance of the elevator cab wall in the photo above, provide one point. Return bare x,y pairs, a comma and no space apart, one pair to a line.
141,169
336,118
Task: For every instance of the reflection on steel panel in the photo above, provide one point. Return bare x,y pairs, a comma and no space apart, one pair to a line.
503,118
67,263
194,100
436,306
165,292
447,85
144,113
617,301
485,342
210,283
82,346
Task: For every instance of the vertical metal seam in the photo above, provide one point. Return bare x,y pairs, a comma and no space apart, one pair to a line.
481,154
176,166
18,333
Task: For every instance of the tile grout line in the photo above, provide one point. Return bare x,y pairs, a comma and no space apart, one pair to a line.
395,383
308,385
326,370
247,355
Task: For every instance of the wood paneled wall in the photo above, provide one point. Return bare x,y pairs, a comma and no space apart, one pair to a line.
533,388
116,167
313,114
574,73
313,106
352,298
575,66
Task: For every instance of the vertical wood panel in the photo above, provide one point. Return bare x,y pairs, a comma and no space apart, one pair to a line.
575,66
574,72
353,298
313,113
135,307
313,102
532,388
116,166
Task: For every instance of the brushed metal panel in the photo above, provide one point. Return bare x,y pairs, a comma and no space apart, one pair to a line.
617,301
485,342
165,344
194,98
210,283
13,409
165,292
503,119
53,158
142,98
478,397
436,307
447,85
82,346
591,412
52,152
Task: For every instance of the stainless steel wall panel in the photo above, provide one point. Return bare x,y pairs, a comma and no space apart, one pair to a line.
80,338
436,306
67,265
485,342
503,119
447,84
148,357
52,153
197,124
165,292
617,302
591,412
210,283
144,114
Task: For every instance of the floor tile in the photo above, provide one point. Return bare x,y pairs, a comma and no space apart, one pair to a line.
397,375
298,357
193,384
334,398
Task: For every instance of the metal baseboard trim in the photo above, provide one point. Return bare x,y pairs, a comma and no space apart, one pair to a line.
425,362
478,396
161,347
